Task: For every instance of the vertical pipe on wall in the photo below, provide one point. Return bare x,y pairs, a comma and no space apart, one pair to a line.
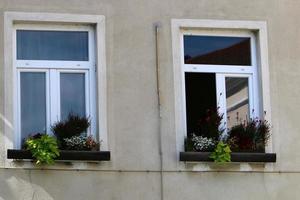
157,27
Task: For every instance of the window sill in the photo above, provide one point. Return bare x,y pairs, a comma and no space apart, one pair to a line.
235,157
64,155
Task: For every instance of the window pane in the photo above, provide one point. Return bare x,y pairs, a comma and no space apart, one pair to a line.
237,100
72,94
52,45
217,50
200,91
33,103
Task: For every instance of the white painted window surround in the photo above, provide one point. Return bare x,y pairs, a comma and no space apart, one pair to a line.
257,73
94,70
53,71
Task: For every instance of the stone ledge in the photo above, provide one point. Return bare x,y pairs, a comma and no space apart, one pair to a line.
235,157
64,155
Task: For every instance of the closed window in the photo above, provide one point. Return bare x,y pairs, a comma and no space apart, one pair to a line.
52,45
55,68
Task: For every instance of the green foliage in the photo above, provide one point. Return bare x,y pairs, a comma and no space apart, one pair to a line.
262,135
209,125
250,136
208,131
188,144
44,149
221,153
74,125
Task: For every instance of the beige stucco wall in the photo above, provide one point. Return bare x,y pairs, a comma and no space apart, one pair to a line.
133,122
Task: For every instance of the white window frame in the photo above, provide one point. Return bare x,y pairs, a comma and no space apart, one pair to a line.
89,94
54,69
55,21
18,138
57,63
223,71
258,72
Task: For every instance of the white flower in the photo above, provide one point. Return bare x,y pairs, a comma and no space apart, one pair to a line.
76,142
202,143
81,143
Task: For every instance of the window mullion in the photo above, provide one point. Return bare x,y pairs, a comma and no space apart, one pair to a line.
253,104
92,101
54,96
87,100
48,102
221,99
254,86
18,112
218,69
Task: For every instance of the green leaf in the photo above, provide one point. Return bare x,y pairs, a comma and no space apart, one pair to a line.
43,149
221,153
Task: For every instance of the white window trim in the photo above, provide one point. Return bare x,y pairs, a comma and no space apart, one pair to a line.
222,71
185,25
17,107
54,63
55,68
52,78
12,18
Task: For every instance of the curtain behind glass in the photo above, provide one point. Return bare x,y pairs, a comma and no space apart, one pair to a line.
72,94
52,45
33,103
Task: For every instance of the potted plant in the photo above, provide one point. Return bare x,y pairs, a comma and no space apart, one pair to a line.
244,142
70,142
44,148
71,134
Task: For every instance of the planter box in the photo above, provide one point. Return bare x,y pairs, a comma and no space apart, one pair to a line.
235,157
64,155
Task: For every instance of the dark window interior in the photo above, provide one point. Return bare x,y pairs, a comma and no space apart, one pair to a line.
200,91
217,50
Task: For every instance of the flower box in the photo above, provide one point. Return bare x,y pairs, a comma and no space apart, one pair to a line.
235,157
64,155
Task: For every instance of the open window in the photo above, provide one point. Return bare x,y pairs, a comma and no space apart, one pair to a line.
221,74
220,71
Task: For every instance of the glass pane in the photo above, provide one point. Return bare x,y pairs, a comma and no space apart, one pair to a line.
72,94
200,92
33,103
237,100
217,50
52,45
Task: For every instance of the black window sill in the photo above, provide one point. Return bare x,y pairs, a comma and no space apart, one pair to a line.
64,155
235,157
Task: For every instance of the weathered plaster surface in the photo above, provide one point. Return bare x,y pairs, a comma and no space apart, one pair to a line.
133,114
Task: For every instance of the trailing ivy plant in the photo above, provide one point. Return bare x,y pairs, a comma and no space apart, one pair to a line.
221,154
44,148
